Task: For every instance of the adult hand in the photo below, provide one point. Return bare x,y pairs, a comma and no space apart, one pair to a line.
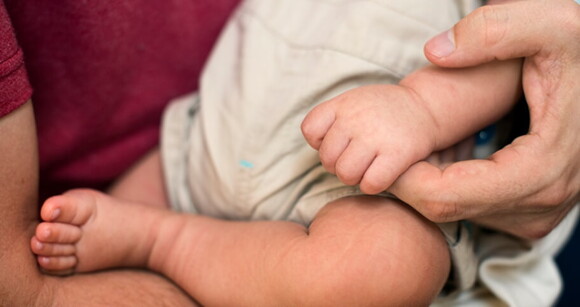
527,187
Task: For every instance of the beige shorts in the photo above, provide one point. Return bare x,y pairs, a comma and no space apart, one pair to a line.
235,150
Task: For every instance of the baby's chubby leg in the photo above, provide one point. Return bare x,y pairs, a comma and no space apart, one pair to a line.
85,230
358,250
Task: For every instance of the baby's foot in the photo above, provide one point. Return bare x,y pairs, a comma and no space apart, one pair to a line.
85,230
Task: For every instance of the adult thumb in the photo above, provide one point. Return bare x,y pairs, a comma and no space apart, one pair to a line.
511,29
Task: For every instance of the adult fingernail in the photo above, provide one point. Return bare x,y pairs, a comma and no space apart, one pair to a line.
441,45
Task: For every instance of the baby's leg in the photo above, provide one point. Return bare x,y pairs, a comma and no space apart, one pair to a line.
358,249
85,230
143,183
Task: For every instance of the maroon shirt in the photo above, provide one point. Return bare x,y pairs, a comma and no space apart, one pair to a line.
101,74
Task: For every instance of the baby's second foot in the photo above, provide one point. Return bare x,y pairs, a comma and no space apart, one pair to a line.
85,230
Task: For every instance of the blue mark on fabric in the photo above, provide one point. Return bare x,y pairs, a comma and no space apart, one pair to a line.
246,164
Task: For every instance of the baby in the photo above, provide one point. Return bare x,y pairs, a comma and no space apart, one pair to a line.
264,221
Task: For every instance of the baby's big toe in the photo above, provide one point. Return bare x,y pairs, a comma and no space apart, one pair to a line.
74,207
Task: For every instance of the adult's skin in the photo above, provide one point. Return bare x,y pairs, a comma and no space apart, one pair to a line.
21,283
528,187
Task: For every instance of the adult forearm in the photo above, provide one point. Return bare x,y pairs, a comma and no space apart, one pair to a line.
112,288
18,189
21,283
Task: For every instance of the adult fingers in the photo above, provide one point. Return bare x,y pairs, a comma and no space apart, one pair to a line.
473,188
511,29
524,189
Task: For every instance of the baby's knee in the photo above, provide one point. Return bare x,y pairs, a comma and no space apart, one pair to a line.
392,255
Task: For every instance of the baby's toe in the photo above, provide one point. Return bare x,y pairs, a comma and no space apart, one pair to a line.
74,207
58,233
50,249
57,265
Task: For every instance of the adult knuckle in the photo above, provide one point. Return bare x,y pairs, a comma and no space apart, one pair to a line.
439,211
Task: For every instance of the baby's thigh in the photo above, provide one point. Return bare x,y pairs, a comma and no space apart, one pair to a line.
413,249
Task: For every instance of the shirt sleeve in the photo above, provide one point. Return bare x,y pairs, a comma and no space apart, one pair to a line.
15,88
